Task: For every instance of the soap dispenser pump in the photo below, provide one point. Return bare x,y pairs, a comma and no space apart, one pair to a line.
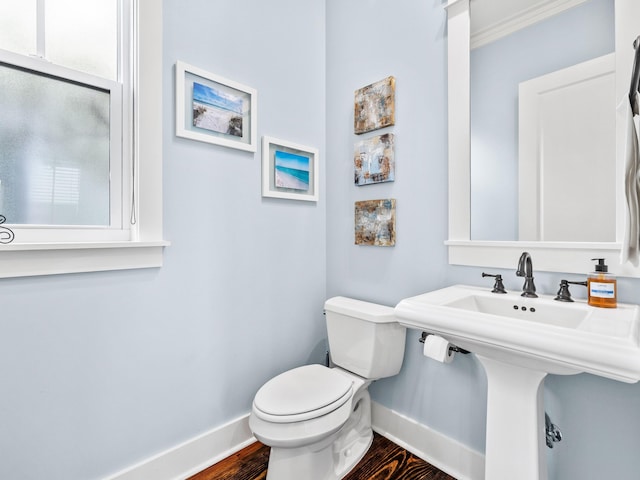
602,286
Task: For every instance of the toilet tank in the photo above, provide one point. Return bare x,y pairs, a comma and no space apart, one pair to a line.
364,338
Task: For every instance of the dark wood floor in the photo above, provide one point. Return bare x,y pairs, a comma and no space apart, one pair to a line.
384,461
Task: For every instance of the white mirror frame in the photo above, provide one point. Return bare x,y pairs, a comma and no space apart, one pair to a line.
569,257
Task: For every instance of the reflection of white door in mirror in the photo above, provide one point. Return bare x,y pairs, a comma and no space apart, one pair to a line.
567,154
564,256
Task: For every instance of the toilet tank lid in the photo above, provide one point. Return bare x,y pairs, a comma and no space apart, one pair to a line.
360,309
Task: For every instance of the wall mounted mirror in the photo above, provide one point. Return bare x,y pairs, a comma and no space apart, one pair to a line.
514,67
538,81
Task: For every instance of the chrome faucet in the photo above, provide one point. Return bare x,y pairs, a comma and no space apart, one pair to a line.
525,269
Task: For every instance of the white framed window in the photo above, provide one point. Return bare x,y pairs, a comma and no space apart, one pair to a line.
80,123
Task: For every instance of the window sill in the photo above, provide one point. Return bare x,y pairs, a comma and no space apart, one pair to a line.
24,260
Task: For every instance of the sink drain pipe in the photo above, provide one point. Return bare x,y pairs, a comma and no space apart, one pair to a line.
552,431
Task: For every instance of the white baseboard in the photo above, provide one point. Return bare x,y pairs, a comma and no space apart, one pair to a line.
194,455
200,452
448,455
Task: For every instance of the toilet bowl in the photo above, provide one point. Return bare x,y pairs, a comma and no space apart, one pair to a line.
316,419
302,429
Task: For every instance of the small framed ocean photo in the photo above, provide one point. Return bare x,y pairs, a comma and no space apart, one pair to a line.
289,170
215,110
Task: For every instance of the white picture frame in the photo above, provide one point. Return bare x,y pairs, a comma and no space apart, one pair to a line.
289,170
213,109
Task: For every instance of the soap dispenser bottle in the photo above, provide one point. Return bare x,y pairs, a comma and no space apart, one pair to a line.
602,286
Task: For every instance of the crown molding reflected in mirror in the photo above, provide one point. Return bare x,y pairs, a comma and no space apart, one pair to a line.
569,257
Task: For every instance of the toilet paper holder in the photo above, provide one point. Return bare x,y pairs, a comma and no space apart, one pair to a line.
452,348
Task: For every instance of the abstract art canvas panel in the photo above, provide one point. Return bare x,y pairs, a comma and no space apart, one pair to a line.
375,222
374,160
374,106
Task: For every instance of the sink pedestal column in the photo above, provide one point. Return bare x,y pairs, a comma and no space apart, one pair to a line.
515,443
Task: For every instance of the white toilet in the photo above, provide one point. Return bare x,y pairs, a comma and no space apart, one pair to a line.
317,420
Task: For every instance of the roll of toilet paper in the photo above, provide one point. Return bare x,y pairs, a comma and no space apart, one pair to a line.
438,348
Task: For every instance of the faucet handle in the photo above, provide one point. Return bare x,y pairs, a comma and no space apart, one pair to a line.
563,294
498,286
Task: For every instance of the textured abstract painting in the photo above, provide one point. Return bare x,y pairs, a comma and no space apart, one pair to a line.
374,106
375,222
374,160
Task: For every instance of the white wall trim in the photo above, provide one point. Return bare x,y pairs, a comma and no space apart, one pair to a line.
202,451
560,257
192,456
442,452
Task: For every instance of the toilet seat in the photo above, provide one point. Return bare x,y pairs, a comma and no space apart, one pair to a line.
301,394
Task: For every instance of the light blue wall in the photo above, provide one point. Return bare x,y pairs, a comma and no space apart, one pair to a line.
100,371
367,41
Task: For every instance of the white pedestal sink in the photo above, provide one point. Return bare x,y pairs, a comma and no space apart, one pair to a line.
519,341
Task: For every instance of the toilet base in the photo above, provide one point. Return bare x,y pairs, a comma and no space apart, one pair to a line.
331,458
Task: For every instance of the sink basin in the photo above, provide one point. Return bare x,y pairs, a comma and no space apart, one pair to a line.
519,341
540,333
506,306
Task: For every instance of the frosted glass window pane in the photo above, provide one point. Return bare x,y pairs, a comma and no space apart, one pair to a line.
83,35
54,150
18,26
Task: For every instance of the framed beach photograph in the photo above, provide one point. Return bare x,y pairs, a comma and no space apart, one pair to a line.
289,170
215,110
